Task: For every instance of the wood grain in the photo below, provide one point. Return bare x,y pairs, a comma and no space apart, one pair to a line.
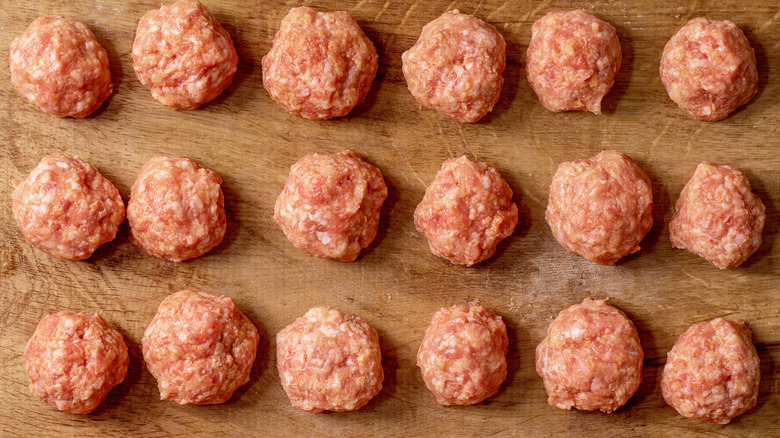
396,285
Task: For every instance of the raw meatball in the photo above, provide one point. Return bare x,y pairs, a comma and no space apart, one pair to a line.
718,217
600,207
466,211
330,205
199,347
73,360
58,65
321,64
455,67
709,69
591,358
712,372
572,60
176,209
66,208
463,355
329,361
183,55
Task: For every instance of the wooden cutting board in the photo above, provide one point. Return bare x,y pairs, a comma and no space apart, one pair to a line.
396,285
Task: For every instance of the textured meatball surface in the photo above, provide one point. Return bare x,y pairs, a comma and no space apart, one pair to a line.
73,360
66,208
456,66
176,209
330,205
183,55
600,207
463,355
712,372
718,217
572,60
591,358
329,361
466,211
199,347
709,69
321,64
60,68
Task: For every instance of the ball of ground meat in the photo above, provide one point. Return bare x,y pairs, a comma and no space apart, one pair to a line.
709,69
176,209
718,217
591,358
466,211
329,361
572,60
330,205
73,360
600,207
66,208
712,372
456,66
463,355
199,347
321,64
183,55
58,65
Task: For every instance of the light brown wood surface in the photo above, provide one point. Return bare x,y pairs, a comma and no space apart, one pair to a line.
396,284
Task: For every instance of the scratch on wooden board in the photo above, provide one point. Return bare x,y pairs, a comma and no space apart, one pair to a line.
698,280
408,163
549,158
541,6
479,5
406,17
466,144
529,195
359,5
768,23
692,137
657,139
496,11
362,284
384,8
450,6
